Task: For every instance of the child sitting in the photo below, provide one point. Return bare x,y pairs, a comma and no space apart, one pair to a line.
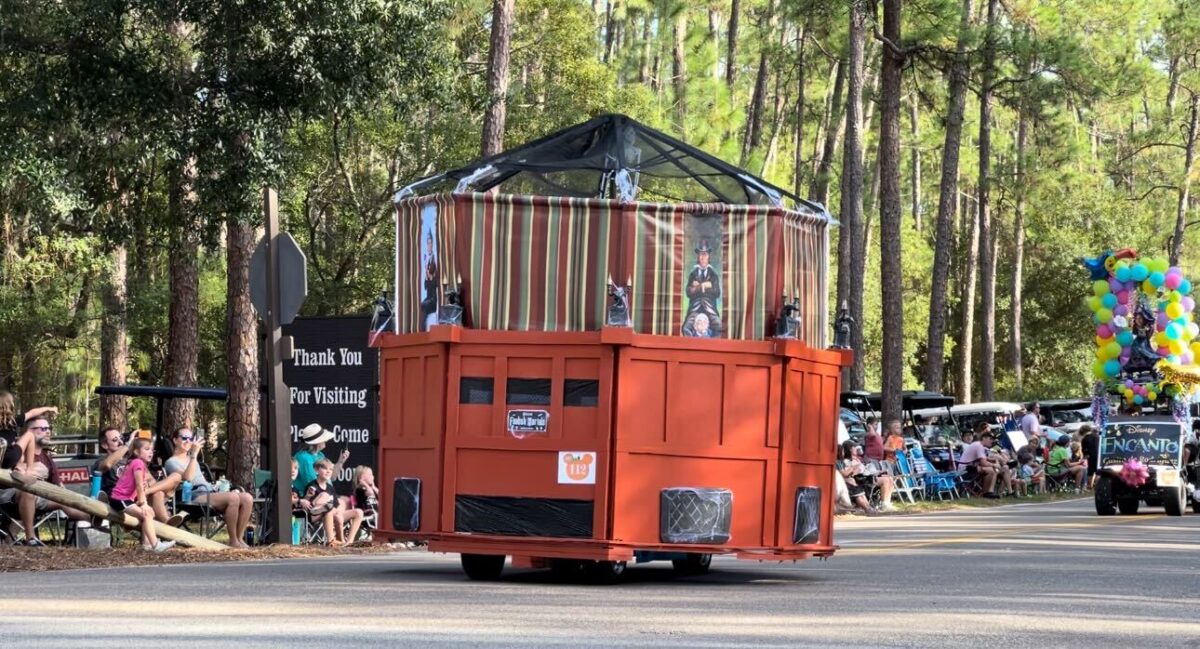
321,500
366,496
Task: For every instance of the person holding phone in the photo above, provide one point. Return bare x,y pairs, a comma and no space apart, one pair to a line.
236,506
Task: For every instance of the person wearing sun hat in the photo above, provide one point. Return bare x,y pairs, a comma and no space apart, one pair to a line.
314,437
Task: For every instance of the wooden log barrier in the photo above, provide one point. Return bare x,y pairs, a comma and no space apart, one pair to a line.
69,498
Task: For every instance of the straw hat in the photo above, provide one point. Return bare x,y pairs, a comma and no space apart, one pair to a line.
314,434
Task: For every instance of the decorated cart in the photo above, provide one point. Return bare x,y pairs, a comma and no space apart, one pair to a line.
608,346
1147,347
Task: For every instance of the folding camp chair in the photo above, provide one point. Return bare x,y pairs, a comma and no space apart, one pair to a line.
908,484
936,483
53,522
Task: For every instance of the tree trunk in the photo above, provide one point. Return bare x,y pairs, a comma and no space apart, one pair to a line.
966,305
497,80
758,101
833,111
1186,186
1172,88
1019,247
890,214
183,340
947,198
114,343
915,132
735,9
644,57
798,159
850,253
241,354
987,352
679,70
609,29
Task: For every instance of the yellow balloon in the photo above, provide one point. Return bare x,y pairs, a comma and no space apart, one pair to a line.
1195,350
1174,310
1147,287
1152,395
1176,346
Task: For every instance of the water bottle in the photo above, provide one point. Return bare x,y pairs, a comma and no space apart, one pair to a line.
187,491
95,490
297,530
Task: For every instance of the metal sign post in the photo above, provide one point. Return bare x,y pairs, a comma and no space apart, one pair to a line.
277,392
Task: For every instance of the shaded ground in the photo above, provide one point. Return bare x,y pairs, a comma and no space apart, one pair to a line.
14,559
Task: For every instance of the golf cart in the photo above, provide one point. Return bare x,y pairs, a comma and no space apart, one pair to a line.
1142,460
1067,414
927,411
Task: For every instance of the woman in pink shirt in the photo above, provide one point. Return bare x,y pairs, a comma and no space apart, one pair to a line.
129,494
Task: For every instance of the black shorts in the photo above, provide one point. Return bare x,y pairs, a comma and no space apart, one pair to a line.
121,505
855,490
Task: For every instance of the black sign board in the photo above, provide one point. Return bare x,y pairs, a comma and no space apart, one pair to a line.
522,423
333,380
1155,442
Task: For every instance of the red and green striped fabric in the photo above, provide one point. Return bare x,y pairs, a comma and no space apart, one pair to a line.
534,263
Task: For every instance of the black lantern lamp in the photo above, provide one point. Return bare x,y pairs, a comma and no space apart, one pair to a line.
618,307
787,324
450,311
842,327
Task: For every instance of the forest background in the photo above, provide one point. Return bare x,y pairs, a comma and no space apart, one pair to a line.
972,150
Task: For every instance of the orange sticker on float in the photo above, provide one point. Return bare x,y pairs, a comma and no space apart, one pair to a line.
576,467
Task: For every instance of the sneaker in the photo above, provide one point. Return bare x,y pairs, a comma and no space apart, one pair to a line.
163,546
992,495
34,543
177,519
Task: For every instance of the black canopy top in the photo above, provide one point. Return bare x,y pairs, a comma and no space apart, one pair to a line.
910,400
163,392
615,157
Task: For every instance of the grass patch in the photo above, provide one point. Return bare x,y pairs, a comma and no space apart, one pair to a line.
926,506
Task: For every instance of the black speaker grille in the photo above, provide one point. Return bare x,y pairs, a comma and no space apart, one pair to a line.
406,504
807,528
695,515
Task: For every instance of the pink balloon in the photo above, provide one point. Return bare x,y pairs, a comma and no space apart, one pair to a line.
1123,296
1104,331
1160,327
1172,281
1164,352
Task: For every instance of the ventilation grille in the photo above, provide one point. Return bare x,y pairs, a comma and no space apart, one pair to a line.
695,515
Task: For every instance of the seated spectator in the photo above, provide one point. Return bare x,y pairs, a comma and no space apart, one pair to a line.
112,465
1029,468
366,495
130,494
846,468
12,423
321,499
235,506
1060,464
37,463
989,470
893,441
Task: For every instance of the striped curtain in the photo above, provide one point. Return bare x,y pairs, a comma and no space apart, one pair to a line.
533,263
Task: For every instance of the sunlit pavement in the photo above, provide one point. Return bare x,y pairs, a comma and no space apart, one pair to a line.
1038,575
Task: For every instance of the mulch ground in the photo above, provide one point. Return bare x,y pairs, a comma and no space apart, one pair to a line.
22,559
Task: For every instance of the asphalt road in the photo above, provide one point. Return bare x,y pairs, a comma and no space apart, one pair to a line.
1038,575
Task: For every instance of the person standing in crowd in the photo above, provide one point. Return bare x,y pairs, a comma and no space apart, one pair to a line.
1090,443
872,443
1031,423
130,494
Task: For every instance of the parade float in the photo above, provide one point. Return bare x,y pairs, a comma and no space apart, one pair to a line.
1147,348
608,347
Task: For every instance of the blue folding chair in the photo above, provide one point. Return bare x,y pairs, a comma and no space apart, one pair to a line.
936,483
908,483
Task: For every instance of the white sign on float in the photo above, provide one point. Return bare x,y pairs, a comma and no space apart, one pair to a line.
576,467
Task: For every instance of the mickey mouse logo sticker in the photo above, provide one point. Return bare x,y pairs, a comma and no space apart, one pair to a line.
576,467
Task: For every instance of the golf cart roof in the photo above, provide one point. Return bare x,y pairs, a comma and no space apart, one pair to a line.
987,406
909,400
1065,404
163,392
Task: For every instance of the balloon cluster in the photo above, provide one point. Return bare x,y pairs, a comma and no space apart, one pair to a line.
1124,288
1134,473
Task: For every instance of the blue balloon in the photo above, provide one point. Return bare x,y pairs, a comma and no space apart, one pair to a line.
1157,279
1185,287
1174,331
1137,398
1112,367
1109,300
1125,338
1122,274
1139,272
